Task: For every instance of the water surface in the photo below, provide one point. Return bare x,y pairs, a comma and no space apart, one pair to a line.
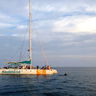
78,82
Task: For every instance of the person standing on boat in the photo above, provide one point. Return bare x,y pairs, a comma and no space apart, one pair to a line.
37,67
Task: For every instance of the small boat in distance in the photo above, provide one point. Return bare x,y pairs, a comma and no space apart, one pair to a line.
26,67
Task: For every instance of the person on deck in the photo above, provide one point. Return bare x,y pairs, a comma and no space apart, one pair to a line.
48,67
37,67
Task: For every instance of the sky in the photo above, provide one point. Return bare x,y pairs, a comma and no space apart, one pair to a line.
63,32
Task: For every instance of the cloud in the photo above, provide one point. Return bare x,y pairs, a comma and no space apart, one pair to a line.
1,35
8,18
64,6
7,21
90,8
76,24
74,56
45,8
4,25
22,27
57,24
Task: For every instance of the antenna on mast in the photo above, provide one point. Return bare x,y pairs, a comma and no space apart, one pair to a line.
30,32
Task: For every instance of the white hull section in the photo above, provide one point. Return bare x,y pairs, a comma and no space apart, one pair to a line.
28,71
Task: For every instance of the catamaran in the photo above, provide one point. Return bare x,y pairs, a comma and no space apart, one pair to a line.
26,67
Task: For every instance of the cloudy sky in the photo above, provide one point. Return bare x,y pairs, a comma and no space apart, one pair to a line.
64,29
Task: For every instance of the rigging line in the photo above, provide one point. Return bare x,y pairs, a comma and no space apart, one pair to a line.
30,31
22,47
12,57
30,36
43,53
20,50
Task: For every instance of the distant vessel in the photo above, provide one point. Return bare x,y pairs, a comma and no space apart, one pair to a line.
25,67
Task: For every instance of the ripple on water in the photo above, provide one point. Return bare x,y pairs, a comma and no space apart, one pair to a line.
77,83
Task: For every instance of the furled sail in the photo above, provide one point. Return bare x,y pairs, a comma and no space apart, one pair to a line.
25,62
22,62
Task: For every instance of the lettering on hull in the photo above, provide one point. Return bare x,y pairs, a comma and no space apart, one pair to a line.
11,72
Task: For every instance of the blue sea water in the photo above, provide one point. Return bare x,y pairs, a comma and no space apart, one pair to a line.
78,82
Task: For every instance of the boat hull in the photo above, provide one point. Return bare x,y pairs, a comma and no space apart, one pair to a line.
28,71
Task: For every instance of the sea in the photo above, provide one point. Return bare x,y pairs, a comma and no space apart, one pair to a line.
78,82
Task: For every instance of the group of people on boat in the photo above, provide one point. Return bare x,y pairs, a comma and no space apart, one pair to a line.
28,67
45,67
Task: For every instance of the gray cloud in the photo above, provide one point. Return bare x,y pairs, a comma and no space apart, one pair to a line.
63,48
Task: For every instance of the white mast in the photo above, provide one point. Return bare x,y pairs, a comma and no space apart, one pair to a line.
30,32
